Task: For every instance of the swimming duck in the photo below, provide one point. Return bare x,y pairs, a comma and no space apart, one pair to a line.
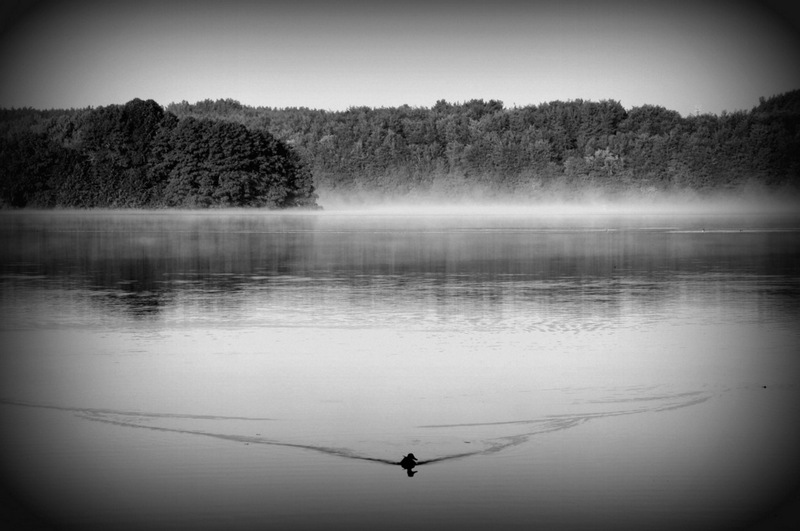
408,462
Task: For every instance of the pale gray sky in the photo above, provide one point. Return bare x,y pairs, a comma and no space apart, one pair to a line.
697,54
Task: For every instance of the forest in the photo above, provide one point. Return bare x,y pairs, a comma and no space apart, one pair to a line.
138,155
223,153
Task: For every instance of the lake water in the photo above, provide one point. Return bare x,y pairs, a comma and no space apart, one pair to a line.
222,370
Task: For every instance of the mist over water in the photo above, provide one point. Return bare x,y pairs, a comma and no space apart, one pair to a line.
576,367
752,200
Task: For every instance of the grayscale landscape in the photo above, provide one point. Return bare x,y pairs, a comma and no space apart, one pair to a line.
440,266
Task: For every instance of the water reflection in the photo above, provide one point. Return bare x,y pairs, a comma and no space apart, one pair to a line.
147,265
543,360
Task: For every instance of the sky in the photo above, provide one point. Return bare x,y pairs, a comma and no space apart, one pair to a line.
689,56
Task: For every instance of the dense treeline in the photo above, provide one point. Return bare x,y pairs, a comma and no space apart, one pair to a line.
138,155
224,153
483,149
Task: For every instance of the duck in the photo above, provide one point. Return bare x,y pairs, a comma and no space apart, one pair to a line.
408,462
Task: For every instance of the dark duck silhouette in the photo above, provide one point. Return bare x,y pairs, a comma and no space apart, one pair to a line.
408,463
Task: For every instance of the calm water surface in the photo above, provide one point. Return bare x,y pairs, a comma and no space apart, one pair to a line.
251,370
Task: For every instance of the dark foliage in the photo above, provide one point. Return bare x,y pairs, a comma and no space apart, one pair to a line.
223,153
565,147
138,155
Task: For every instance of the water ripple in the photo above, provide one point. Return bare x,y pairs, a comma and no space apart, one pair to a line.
529,427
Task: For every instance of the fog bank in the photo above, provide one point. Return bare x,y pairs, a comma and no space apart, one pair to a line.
784,202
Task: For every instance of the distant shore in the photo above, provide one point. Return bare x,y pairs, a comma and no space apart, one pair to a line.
220,154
